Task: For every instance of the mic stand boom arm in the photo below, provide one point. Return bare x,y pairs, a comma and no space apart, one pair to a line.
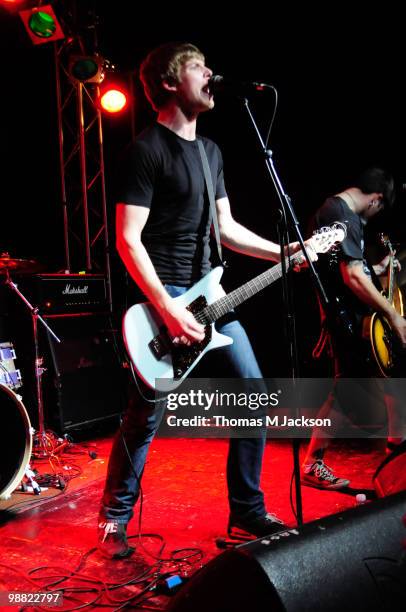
288,212
285,201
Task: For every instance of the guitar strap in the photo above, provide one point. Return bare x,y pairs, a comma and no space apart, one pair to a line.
210,193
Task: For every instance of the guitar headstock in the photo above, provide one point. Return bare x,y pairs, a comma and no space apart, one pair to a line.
325,238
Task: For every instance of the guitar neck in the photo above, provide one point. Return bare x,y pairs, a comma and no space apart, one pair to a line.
226,303
391,268
391,278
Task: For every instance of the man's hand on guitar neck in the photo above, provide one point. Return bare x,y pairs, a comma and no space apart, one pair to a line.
301,261
381,268
182,326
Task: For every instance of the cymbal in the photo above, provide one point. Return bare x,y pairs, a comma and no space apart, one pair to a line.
21,266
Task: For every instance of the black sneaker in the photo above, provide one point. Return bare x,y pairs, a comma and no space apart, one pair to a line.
258,527
320,476
112,539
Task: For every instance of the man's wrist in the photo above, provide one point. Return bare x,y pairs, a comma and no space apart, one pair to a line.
392,315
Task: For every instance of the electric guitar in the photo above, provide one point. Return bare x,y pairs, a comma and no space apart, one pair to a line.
384,343
151,350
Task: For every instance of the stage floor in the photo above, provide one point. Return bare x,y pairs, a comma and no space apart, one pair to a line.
184,503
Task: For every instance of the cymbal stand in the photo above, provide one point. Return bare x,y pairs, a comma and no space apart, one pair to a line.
43,442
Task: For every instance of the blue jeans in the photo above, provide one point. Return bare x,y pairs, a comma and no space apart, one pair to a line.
142,419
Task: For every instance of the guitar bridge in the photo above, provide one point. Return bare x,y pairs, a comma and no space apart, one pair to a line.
182,356
160,345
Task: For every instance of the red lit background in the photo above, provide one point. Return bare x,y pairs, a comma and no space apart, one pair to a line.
341,108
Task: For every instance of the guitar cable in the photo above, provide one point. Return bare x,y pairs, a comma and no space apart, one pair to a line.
124,361
144,397
188,555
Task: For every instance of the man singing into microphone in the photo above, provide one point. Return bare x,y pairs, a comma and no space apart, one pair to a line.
163,230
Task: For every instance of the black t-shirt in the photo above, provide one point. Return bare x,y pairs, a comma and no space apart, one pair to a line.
164,173
344,302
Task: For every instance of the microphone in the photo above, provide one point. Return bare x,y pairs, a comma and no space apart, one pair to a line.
220,84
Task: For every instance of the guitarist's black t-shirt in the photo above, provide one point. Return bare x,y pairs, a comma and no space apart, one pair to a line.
164,173
348,310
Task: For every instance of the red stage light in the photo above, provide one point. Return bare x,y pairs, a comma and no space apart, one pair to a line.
113,100
13,5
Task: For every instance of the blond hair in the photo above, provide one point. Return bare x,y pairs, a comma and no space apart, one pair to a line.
164,64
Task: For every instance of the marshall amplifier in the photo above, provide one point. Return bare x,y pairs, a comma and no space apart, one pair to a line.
67,293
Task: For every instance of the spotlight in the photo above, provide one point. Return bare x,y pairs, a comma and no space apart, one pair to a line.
87,69
41,24
12,5
113,99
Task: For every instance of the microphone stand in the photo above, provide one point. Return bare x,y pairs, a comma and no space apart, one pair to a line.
287,210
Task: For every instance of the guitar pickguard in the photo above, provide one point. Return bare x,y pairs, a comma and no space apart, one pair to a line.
182,356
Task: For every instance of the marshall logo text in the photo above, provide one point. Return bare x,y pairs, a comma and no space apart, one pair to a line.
69,290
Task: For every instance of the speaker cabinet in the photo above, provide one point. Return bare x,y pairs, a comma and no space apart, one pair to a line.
84,380
349,561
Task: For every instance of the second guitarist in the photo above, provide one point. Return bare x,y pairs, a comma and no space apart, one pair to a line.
353,296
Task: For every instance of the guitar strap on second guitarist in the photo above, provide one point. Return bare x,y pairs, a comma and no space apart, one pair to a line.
210,192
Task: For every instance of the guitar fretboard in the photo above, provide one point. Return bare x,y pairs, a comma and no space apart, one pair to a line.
222,306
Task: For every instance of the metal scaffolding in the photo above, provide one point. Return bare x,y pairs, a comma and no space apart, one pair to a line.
83,190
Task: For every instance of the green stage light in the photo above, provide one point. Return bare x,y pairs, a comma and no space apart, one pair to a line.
84,69
41,24
87,69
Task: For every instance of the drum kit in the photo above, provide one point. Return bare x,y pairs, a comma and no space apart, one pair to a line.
18,435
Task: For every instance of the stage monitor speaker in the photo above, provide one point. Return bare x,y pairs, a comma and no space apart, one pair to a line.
390,477
349,561
84,379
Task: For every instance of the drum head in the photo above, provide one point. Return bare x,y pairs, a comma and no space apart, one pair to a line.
15,443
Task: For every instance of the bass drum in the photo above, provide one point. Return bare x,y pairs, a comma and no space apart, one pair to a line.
15,442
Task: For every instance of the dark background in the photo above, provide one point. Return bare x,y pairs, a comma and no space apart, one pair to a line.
340,79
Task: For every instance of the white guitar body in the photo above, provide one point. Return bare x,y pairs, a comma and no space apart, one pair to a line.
141,324
152,352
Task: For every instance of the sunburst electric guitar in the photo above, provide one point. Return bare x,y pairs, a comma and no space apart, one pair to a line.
384,343
149,346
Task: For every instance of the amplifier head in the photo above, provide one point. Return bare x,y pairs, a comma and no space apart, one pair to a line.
68,293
